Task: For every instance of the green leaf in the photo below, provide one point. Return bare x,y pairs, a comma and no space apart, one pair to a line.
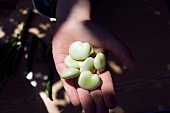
48,89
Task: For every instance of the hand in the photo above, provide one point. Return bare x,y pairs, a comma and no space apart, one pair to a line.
103,98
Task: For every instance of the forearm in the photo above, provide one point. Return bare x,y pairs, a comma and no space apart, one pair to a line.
73,9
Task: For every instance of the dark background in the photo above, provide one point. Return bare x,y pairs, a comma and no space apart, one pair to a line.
143,25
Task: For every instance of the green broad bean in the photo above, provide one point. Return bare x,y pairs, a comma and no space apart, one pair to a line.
88,80
100,62
70,62
70,73
79,50
80,64
88,65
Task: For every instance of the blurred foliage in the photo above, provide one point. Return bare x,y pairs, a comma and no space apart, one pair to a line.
11,54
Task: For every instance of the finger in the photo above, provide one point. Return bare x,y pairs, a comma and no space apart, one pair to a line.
99,102
71,91
68,85
121,51
86,101
107,89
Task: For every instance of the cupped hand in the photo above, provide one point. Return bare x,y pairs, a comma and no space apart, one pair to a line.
67,32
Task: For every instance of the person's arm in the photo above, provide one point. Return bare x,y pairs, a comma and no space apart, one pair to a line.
73,9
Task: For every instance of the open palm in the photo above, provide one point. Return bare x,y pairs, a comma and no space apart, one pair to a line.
99,100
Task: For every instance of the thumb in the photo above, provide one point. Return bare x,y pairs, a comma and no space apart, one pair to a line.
120,50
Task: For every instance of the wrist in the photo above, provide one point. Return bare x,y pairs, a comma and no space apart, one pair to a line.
73,10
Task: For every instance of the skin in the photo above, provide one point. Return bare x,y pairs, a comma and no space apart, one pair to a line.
73,24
